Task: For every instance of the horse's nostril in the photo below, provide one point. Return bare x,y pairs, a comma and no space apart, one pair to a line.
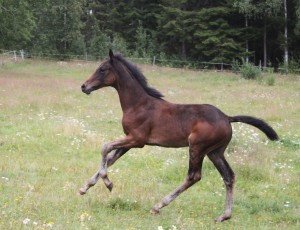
85,90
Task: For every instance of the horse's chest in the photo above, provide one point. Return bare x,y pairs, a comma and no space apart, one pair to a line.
135,123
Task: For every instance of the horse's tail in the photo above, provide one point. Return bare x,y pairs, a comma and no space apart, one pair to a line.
258,123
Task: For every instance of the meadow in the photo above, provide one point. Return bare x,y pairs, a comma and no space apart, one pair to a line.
51,135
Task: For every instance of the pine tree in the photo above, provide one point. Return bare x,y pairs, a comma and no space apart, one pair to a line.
16,23
267,16
297,10
59,28
246,8
176,26
217,40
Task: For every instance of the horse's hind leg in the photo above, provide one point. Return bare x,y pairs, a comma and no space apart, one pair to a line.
218,159
194,175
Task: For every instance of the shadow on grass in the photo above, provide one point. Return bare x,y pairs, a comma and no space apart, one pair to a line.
123,205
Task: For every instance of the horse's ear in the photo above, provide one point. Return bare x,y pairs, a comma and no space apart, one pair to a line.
111,54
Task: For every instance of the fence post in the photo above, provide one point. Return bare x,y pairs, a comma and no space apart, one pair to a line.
260,64
153,63
222,67
15,56
22,54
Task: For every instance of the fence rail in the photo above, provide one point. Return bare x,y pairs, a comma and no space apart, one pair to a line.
8,56
152,61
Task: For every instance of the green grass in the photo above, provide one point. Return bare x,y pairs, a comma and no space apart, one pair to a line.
51,135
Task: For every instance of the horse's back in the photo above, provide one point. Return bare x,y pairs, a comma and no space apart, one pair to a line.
173,125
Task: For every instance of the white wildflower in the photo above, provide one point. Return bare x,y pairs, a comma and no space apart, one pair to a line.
5,178
26,221
286,204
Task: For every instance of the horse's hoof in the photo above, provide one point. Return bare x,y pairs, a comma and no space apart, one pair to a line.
81,192
110,187
222,218
154,211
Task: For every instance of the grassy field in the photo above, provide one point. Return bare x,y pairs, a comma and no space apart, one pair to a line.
51,135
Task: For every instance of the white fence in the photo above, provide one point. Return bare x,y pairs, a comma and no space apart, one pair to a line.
7,56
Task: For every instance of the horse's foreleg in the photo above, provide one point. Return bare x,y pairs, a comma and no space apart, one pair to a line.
194,175
115,155
228,176
120,147
100,173
110,160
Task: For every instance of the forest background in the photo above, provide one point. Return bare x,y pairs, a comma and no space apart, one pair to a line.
264,32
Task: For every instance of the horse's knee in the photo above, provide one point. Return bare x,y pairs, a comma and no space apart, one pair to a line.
103,173
106,148
110,157
194,177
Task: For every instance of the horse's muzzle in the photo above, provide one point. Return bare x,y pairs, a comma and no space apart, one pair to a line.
85,90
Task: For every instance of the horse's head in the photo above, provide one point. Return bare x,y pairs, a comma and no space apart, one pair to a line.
102,77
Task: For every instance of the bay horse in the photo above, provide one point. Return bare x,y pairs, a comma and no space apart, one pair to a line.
150,120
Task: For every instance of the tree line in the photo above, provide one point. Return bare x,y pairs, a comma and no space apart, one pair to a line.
265,32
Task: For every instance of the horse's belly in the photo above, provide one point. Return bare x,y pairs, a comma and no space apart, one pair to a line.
169,140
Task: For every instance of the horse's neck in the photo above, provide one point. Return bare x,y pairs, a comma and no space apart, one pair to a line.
131,93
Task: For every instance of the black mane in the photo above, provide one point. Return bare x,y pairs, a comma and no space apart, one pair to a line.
137,74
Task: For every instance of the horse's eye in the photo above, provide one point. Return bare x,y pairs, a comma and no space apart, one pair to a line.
102,71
